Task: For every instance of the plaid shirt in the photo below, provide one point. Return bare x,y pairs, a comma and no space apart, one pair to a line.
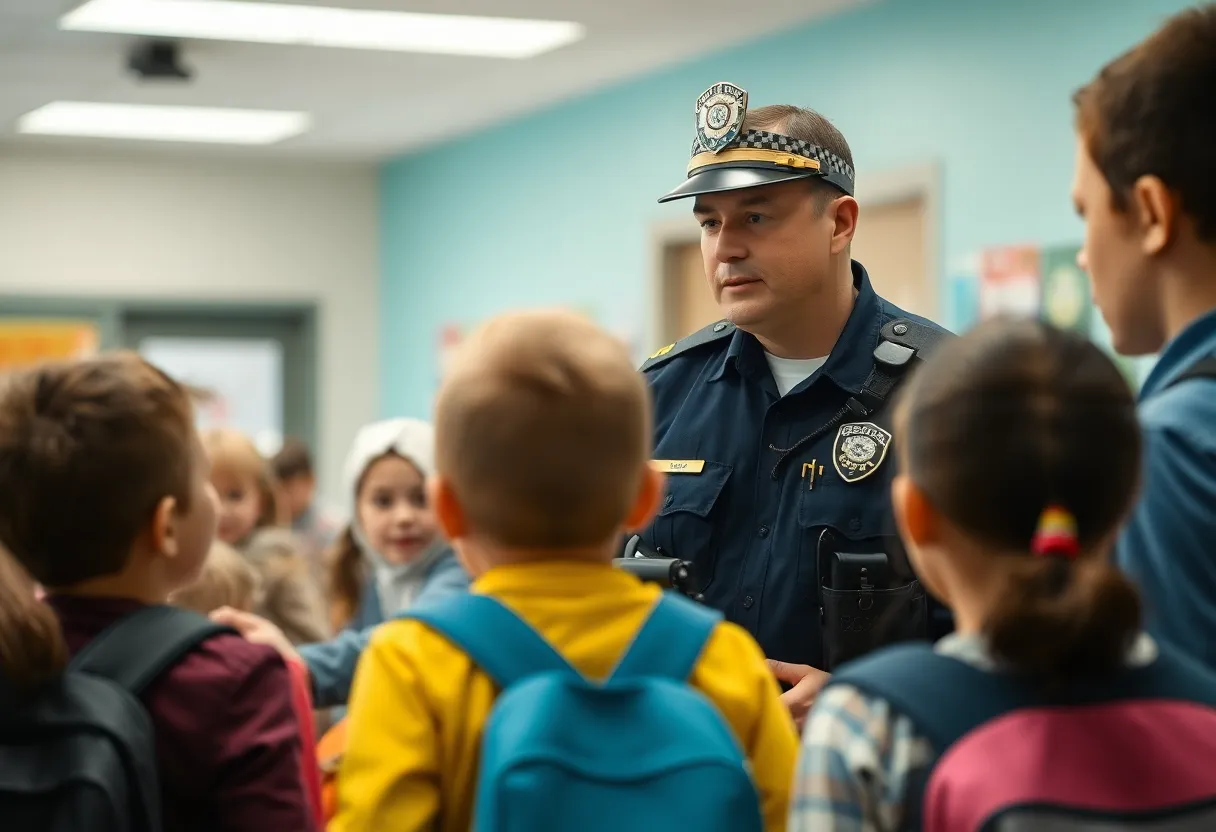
858,756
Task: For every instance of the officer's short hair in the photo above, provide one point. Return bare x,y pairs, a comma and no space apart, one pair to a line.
1149,113
542,427
808,126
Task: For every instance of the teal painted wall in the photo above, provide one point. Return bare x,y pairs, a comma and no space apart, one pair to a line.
558,207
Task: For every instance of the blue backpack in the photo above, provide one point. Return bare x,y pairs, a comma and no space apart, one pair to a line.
641,750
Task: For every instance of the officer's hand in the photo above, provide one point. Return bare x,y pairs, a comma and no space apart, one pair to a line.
806,682
258,630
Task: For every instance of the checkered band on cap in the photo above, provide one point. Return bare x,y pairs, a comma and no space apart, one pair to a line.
764,140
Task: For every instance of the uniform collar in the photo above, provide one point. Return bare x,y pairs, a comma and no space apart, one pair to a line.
1196,341
851,359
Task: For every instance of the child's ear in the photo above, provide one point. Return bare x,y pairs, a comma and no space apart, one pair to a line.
448,511
646,502
163,530
914,514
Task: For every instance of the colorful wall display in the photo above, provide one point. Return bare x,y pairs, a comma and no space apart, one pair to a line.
27,342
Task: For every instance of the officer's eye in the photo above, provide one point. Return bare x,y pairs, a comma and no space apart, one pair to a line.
708,224
754,218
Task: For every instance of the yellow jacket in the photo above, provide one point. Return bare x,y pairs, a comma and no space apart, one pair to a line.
418,705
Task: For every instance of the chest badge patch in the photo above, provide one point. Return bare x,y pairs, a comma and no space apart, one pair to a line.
859,449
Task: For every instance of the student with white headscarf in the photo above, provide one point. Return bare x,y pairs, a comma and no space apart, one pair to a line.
389,558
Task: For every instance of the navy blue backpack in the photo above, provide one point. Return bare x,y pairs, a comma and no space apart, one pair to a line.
640,750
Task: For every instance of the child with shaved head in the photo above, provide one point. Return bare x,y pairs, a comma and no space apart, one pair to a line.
543,438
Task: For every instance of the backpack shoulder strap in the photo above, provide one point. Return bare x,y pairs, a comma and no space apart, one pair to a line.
670,642
943,696
137,649
705,335
496,639
900,341
1203,368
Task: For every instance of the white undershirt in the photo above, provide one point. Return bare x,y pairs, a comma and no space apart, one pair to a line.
790,372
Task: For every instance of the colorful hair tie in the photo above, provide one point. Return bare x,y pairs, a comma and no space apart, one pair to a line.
1056,535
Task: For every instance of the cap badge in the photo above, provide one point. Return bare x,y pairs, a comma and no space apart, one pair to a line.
720,112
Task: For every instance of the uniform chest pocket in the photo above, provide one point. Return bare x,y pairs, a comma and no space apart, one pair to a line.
684,527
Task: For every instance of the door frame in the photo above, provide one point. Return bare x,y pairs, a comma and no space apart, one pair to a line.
111,313
920,181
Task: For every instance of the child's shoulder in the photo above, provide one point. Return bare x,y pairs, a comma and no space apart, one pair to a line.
730,642
732,664
227,662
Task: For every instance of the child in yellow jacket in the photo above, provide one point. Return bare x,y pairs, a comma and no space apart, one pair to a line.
542,442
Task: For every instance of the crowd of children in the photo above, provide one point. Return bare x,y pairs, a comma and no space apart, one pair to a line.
461,653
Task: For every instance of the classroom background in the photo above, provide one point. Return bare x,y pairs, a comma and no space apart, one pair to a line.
358,190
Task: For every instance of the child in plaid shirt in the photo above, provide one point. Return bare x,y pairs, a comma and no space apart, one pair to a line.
1020,455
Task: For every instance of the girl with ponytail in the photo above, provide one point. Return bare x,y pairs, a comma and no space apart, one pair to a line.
32,649
1020,458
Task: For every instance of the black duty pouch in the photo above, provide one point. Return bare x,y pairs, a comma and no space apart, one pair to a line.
865,602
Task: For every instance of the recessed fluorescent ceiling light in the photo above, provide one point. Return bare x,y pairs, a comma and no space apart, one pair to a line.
321,26
170,124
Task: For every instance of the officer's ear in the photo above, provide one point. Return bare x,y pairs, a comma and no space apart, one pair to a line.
844,211
448,511
646,501
914,514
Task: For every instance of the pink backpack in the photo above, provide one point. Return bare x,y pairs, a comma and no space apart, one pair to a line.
1135,751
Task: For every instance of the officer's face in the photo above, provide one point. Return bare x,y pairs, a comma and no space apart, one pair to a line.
766,252
1117,259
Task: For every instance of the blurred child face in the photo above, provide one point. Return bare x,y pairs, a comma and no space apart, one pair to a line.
297,494
393,510
240,505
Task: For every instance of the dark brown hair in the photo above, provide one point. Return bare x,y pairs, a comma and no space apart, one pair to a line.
346,576
1149,113
808,126
1001,423
32,650
542,428
87,451
293,460
345,569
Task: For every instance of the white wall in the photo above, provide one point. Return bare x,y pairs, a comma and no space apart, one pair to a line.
156,225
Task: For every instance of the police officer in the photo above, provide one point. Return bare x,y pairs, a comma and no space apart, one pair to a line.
773,424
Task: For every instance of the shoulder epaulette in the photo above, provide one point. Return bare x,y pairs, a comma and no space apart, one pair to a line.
920,338
705,335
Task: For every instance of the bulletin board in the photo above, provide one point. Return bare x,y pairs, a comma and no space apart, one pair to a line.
25,342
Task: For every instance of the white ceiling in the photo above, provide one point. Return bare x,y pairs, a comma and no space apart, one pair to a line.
370,105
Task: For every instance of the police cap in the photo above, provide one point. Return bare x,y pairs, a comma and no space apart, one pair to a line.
725,157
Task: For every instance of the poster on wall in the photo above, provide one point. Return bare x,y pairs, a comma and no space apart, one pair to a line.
1066,299
26,342
1009,281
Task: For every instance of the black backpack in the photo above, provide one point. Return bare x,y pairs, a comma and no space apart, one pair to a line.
80,756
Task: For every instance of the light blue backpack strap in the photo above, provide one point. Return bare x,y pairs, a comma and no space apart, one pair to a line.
496,639
671,640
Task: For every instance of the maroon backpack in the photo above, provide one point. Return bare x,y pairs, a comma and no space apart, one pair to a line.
1135,751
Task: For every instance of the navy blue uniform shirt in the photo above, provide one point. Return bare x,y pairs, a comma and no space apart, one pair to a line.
753,533
1169,544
